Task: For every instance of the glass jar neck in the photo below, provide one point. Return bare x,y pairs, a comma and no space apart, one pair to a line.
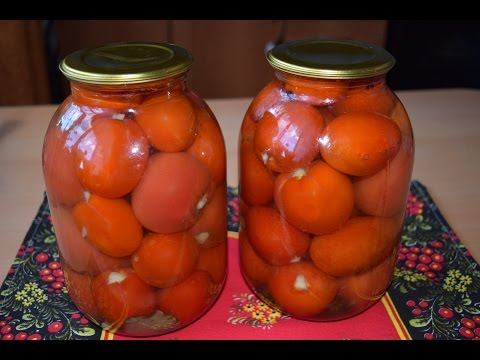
306,81
171,84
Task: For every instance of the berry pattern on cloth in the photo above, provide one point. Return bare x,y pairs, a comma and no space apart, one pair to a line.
435,290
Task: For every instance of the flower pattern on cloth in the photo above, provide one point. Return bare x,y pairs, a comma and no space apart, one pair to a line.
249,310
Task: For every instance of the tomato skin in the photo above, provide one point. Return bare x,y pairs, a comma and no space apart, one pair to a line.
166,198
77,251
271,95
169,122
360,244
111,157
254,268
362,290
211,227
256,181
317,92
360,143
317,200
188,299
107,100
274,239
214,261
61,179
80,291
302,290
109,224
385,192
373,96
209,146
164,260
286,137
121,294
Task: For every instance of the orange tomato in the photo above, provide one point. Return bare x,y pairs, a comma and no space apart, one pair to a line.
164,260
62,183
287,136
103,99
209,147
80,291
271,95
256,181
214,261
211,227
360,143
247,130
169,122
121,294
385,193
109,224
275,240
171,193
315,91
300,289
254,268
317,200
111,157
374,97
77,251
189,299
360,244
369,286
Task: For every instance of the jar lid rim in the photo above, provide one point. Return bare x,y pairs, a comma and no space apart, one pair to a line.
126,63
331,58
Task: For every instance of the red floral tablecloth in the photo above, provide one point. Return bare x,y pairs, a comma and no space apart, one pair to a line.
435,293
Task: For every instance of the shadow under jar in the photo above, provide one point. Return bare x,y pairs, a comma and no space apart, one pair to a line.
134,166
325,161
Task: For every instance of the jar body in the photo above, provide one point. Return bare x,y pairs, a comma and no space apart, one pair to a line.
325,168
135,178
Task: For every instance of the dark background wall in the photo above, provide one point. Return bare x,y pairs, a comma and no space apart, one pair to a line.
229,54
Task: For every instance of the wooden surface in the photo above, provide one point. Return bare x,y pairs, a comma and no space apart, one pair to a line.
446,124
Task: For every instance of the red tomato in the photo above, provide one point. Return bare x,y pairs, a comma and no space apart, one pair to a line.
256,181
111,157
109,224
121,294
366,288
77,251
360,244
385,193
287,136
275,240
315,91
214,261
300,289
360,143
115,100
171,193
247,130
169,122
164,260
62,183
211,228
271,95
317,200
189,299
209,146
254,268
80,291
374,96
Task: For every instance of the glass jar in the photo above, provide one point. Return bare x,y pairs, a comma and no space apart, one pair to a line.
134,167
326,155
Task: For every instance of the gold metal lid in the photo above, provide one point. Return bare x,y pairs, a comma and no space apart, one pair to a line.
126,63
332,59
